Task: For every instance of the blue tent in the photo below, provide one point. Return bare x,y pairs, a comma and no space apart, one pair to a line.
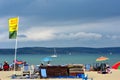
47,59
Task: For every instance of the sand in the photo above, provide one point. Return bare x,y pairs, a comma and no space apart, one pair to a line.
115,75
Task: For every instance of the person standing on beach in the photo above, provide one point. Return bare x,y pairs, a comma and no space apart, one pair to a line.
48,64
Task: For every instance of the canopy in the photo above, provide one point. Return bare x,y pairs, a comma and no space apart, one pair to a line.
116,65
47,59
18,62
102,58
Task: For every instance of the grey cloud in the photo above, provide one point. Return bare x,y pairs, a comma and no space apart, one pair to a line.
22,36
113,37
80,35
68,17
61,10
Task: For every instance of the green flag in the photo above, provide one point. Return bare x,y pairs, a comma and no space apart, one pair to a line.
13,35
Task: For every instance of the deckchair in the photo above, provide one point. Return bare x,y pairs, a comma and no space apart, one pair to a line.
26,70
87,67
43,73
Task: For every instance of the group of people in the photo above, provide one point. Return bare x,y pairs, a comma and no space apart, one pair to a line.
104,68
6,66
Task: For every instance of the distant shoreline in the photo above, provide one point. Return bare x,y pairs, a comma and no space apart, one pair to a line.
47,50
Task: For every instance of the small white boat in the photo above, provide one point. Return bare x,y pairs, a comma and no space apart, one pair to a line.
55,54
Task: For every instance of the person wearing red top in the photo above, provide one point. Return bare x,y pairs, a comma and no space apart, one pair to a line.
6,66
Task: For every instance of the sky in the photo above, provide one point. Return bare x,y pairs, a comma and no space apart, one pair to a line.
61,23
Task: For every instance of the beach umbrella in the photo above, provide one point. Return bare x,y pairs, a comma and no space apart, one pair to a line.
102,58
47,59
116,65
18,62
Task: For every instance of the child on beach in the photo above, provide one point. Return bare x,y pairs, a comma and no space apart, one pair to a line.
108,69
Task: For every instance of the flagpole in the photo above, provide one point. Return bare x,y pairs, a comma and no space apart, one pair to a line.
15,54
15,57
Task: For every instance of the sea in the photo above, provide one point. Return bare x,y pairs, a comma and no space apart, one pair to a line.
62,59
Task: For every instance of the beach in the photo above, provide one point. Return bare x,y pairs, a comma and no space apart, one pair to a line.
115,75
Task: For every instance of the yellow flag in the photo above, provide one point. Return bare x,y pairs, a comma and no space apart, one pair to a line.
13,27
13,24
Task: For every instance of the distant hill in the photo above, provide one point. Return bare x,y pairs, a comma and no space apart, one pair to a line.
44,50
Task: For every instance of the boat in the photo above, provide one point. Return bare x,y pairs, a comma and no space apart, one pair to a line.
55,54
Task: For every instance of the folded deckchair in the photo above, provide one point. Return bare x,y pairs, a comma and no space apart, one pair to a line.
43,73
87,67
